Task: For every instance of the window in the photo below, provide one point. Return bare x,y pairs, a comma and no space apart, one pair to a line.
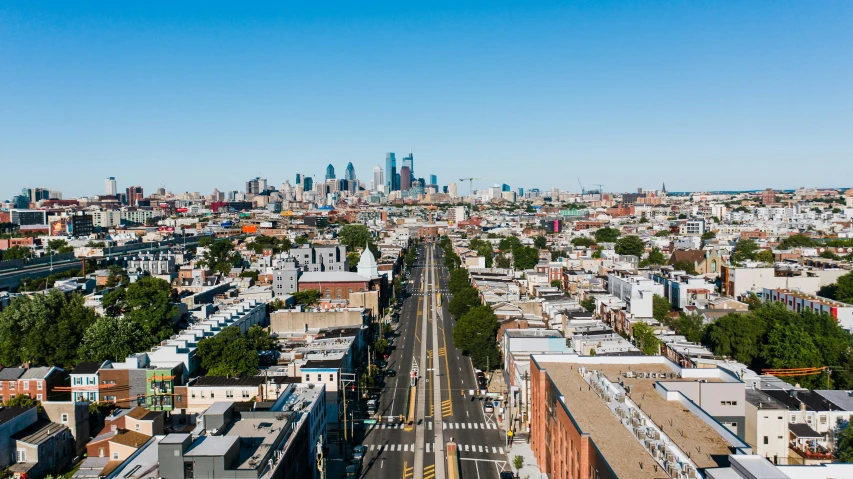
728,403
137,426
331,378
245,393
766,440
307,378
212,394
21,455
822,419
25,385
38,385
12,386
38,397
115,456
229,393
64,418
100,452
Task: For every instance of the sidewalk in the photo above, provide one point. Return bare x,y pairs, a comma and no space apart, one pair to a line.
520,447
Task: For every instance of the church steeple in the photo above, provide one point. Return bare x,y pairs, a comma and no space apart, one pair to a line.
367,266
663,188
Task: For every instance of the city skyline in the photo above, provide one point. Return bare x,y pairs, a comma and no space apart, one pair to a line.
652,92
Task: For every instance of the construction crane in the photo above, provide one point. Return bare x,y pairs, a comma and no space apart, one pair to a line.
583,191
600,192
471,190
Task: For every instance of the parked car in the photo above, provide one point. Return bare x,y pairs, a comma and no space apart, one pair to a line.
358,453
382,364
390,373
353,470
507,475
488,407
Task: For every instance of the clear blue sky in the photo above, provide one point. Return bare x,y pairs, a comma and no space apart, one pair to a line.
197,95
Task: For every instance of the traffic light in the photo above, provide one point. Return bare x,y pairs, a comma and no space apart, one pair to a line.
319,459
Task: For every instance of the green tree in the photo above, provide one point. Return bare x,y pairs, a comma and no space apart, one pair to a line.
229,353
655,257
260,338
607,235
117,275
463,301
662,233
797,241
841,290
60,246
645,339
630,245
458,281
146,303
525,257
44,329
540,242
484,249
745,249
582,241
475,333
708,235
220,257
356,236
690,326
588,304
23,400
510,243
17,252
301,240
845,442
765,256
309,297
686,266
517,463
556,283
503,261
661,307
111,338
380,345
738,336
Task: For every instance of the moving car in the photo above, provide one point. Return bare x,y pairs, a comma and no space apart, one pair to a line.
488,407
390,373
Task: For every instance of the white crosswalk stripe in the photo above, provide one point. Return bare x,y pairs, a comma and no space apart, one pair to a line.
466,448
430,425
431,447
469,426
444,425
501,450
494,450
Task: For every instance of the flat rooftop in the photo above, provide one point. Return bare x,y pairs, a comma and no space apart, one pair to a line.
623,453
692,435
256,436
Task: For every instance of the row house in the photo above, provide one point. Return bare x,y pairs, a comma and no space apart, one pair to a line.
38,383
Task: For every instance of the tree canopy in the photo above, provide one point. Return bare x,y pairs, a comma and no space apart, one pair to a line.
229,353
607,235
220,257
765,256
796,241
146,303
582,241
17,252
483,248
630,245
309,297
111,338
660,307
262,242
540,242
686,266
355,236
260,338
474,334
655,257
745,249
458,281
44,329
463,301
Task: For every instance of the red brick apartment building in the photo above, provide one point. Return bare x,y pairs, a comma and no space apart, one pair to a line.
575,434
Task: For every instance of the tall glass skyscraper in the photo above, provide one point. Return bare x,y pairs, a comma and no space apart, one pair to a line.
391,181
410,162
330,172
349,174
433,179
307,183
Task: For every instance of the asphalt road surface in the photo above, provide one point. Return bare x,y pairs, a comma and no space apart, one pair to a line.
446,410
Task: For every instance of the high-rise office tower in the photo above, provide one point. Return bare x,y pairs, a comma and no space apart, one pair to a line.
298,179
391,181
330,172
410,162
134,194
110,186
405,178
378,179
451,189
349,174
253,186
397,180
262,184
520,192
505,187
433,180
307,183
